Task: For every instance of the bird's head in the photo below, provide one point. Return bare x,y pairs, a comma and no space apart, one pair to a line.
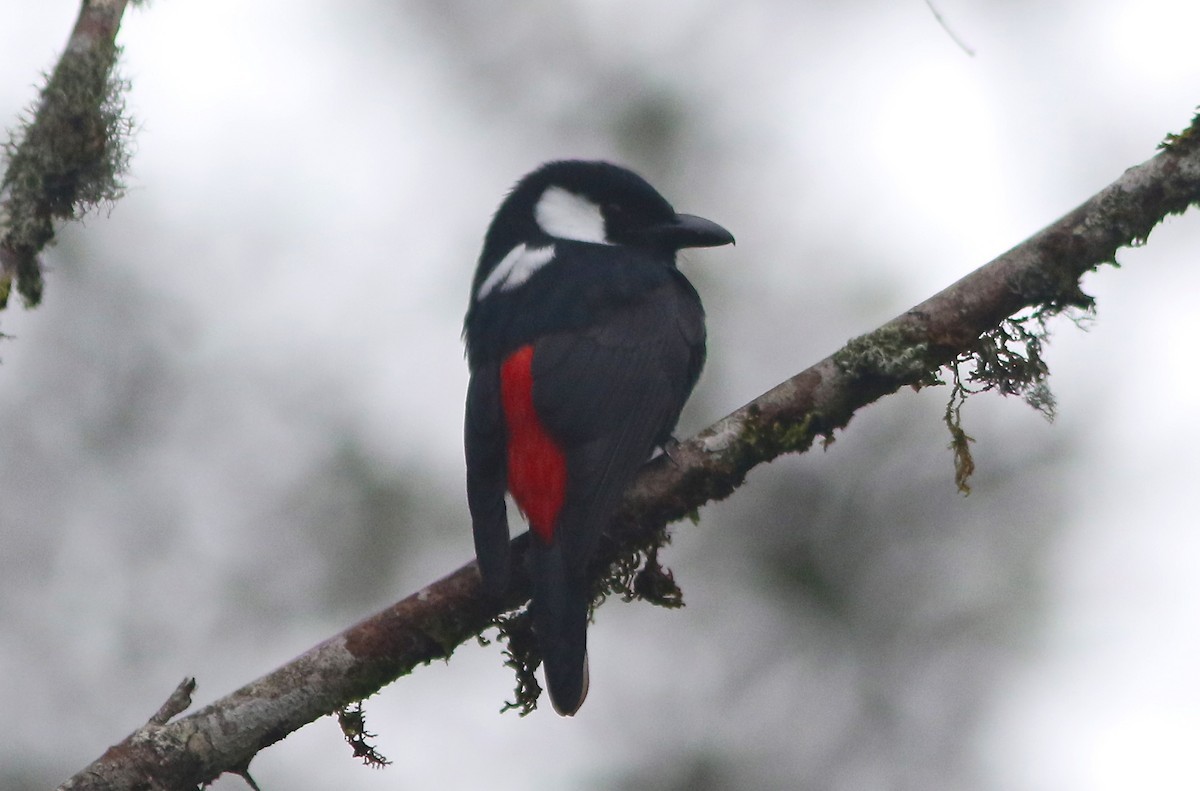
582,201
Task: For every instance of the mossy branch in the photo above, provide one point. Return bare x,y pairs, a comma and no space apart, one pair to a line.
68,157
970,320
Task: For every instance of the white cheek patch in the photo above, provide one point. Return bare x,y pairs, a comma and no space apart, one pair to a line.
565,215
515,268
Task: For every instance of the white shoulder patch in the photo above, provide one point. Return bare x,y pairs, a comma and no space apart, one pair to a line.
566,215
515,268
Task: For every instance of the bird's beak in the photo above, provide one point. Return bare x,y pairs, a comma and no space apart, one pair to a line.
688,230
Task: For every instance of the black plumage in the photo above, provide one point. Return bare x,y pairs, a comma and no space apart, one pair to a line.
578,266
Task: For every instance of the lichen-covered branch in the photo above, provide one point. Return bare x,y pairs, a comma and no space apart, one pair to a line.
69,156
1041,274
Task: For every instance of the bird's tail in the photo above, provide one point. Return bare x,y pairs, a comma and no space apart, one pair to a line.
561,600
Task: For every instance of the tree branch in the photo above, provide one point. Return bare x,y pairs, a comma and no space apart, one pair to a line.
1041,274
69,158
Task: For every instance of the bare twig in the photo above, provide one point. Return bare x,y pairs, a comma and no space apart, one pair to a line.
180,699
1041,273
953,36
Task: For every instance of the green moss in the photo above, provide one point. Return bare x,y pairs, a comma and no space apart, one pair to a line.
1007,359
353,722
1054,289
960,441
522,656
66,161
1185,139
637,575
890,354
765,439
655,584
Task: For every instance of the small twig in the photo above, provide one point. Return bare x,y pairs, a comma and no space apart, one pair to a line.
180,699
245,775
953,36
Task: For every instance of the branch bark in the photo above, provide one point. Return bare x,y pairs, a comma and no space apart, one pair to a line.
1041,273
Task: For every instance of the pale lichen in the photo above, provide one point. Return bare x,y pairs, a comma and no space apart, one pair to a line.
62,162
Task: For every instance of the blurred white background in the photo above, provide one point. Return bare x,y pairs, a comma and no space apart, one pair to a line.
233,427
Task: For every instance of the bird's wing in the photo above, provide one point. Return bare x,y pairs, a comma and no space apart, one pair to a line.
609,395
485,444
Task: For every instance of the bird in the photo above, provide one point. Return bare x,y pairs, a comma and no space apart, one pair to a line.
584,341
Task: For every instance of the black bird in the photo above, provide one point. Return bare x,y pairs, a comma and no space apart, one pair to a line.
584,341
